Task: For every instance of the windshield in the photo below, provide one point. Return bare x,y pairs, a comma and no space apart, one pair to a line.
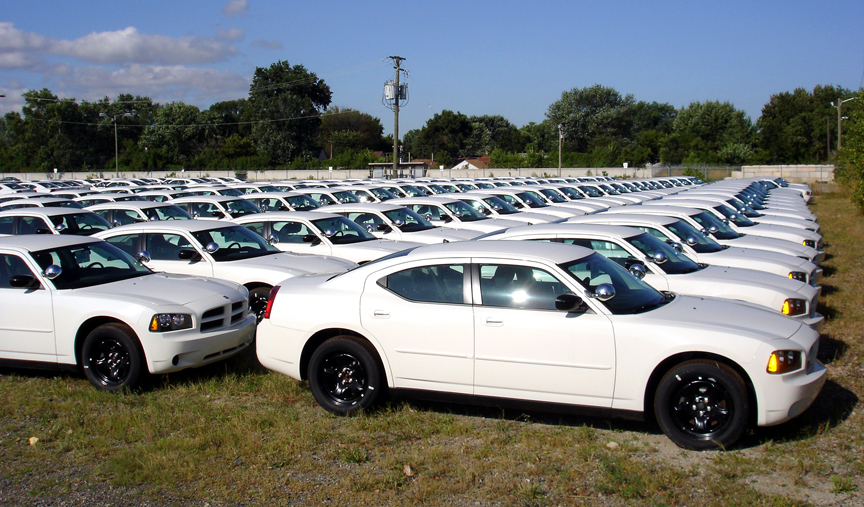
501,206
241,207
409,221
383,194
89,265
169,212
465,212
631,294
591,191
684,231
341,231
531,200
552,195
707,221
676,264
235,243
345,197
412,191
81,224
740,220
572,193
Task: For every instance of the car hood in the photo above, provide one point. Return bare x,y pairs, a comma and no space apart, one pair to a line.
276,267
761,260
439,234
771,244
163,289
378,246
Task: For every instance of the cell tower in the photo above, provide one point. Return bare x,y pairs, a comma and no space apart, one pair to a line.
395,96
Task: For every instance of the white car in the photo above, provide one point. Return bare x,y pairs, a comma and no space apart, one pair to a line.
451,213
392,221
665,269
129,212
516,323
219,249
71,302
329,234
215,207
492,206
702,249
79,222
708,223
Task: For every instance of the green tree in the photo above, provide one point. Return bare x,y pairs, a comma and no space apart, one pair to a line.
181,131
234,117
588,113
794,127
351,130
445,136
490,132
287,103
851,157
703,129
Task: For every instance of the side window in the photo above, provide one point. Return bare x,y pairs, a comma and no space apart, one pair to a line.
513,286
32,225
607,249
290,232
166,247
365,219
103,213
127,242
432,212
256,227
441,283
656,233
127,217
11,265
6,225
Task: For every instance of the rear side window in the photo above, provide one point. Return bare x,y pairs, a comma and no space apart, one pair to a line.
441,283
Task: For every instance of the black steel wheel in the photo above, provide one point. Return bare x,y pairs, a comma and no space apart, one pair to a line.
112,358
702,405
345,375
258,299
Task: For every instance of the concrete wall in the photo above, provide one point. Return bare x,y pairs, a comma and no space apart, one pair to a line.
792,173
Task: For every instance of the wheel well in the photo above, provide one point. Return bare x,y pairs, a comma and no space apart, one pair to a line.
257,285
670,362
315,341
91,324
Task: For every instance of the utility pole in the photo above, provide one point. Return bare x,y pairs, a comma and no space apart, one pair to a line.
397,61
839,107
560,139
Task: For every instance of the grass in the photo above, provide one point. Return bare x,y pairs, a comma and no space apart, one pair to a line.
236,434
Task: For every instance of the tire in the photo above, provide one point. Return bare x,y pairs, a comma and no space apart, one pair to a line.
345,375
702,405
112,359
258,298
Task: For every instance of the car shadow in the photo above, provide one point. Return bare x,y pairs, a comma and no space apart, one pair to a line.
831,349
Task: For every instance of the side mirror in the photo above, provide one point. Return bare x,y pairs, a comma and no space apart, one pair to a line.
568,303
659,257
52,272
211,248
691,240
713,229
272,239
115,223
143,257
678,247
604,292
638,270
196,215
327,234
24,282
60,228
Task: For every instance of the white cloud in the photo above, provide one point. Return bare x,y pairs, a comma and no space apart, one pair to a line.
14,40
267,44
235,8
128,45
15,61
232,34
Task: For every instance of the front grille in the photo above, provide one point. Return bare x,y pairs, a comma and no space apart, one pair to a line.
223,316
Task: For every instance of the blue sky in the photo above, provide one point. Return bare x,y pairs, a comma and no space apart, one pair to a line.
512,58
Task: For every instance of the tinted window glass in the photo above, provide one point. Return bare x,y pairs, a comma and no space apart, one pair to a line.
428,284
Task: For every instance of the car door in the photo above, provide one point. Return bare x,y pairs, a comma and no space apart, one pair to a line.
27,330
165,248
524,348
419,316
293,236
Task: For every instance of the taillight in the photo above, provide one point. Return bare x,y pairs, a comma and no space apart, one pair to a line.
270,300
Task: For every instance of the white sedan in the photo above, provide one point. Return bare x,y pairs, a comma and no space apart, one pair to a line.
667,270
511,323
396,222
305,232
219,249
71,302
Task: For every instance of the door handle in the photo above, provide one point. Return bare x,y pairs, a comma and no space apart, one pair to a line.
494,322
381,314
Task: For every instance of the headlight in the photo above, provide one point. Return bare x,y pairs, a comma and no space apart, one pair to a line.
162,322
784,361
810,243
798,275
794,307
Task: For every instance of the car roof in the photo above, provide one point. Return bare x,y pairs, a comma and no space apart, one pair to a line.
569,227
43,211
626,217
207,198
184,225
270,216
34,242
128,205
655,210
361,206
515,250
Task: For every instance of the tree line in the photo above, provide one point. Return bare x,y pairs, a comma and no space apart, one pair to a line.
288,121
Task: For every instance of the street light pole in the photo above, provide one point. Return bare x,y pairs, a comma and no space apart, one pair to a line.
116,148
839,107
560,139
